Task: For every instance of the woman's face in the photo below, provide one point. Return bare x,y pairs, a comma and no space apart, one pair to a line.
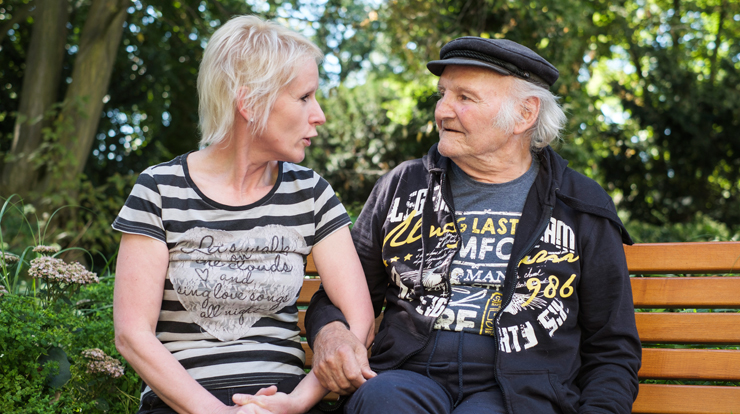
294,118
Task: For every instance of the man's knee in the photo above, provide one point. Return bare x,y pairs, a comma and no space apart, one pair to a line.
399,391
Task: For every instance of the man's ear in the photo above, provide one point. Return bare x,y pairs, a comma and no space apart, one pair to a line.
529,109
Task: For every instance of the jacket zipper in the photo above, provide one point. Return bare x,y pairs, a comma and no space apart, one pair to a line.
504,304
454,223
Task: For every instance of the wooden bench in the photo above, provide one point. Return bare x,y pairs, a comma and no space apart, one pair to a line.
689,325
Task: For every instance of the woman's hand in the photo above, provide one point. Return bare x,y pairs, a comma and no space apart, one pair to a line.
268,400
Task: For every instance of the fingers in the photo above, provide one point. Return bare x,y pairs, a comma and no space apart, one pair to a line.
271,390
368,373
252,409
338,358
343,371
244,399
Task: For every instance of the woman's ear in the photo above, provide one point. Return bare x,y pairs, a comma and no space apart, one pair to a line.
529,109
241,106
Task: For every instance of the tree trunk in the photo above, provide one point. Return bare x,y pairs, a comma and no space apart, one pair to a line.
39,92
91,75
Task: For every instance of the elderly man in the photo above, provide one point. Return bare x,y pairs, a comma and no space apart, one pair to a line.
501,269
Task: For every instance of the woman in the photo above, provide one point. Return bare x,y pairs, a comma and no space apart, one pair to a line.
211,259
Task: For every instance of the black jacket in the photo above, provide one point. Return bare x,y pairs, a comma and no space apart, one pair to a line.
568,341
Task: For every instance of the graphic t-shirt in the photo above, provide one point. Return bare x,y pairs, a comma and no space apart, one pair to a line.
228,311
487,216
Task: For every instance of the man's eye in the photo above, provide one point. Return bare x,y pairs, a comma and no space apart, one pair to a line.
305,97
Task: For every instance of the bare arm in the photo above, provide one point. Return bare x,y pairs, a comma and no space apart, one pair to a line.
344,281
137,299
340,360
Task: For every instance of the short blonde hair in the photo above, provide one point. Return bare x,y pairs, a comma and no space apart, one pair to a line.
247,62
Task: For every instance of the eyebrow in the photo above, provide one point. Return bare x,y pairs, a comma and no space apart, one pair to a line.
461,90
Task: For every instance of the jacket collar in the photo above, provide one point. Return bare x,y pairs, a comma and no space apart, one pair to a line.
547,185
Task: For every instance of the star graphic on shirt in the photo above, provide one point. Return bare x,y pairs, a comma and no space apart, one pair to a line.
395,258
407,257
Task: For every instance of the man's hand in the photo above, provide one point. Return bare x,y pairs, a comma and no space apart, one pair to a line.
340,359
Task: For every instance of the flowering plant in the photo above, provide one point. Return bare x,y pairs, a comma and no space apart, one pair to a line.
56,345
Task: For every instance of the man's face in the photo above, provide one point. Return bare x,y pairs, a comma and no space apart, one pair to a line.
471,98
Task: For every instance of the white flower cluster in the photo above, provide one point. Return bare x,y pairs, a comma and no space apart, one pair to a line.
8,258
52,269
2,290
100,363
46,249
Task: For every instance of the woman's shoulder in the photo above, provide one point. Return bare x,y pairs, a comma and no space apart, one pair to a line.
166,172
293,172
168,167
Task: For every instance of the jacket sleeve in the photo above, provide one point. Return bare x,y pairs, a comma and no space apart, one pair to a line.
368,241
610,347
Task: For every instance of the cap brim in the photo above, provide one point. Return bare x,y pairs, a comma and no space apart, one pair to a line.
438,66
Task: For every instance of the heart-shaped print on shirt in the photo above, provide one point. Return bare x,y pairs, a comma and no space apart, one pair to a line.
227,283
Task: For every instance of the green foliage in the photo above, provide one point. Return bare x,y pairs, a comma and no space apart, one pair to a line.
650,89
49,314
41,367
674,156
702,228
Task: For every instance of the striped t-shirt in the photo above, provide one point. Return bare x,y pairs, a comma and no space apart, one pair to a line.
229,311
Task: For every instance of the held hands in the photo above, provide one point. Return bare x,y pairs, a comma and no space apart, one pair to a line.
340,364
340,359
268,401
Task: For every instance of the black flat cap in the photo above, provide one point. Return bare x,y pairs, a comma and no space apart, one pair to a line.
501,55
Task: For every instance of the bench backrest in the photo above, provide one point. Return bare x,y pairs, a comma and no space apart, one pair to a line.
689,325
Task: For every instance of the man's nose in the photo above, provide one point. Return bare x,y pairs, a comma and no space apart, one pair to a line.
443,109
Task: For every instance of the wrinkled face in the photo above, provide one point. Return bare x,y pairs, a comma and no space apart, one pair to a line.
294,118
471,98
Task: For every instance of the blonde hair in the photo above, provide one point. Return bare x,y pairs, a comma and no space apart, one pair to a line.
247,62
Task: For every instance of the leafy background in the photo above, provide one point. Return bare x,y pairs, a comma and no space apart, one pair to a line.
650,88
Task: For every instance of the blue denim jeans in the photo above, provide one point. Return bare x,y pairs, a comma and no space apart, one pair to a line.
453,374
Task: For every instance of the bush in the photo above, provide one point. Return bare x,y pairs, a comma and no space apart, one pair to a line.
42,364
57,351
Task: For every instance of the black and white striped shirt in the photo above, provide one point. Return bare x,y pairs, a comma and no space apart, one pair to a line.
228,312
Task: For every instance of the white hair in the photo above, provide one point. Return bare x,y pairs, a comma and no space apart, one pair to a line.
246,64
550,120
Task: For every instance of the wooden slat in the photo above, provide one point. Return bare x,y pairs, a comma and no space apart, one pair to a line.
691,328
302,321
690,364
686,399
311,266
701,257
309,354
686,292
310,286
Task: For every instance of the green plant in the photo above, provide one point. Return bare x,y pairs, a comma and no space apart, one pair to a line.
57,352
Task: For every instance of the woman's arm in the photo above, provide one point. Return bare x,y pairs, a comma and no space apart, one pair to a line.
137,299
344,281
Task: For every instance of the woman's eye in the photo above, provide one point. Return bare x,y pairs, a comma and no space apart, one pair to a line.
305,97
